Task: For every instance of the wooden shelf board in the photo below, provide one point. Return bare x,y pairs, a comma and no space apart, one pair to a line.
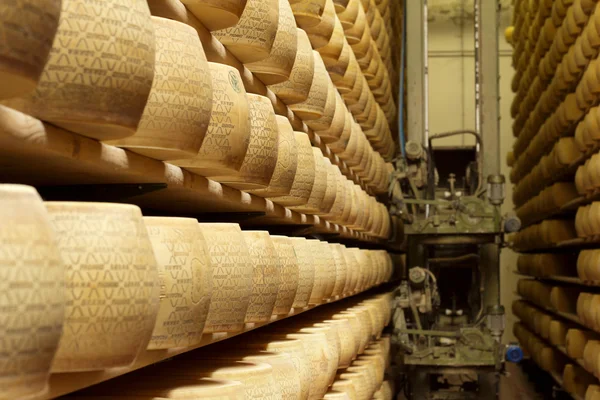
40,154
564,279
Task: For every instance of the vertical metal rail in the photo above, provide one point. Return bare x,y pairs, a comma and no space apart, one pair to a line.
487,21
416,65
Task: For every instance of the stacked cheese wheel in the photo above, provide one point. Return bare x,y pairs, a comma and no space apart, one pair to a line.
337,350
80,274
164,100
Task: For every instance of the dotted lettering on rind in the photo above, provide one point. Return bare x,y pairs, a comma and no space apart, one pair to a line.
288,271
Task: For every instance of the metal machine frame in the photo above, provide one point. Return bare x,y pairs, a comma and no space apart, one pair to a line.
427,228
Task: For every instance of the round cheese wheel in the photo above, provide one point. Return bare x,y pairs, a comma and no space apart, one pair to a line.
592,393
305,174
350,77
340,197
308,12
33,274
335,395
361,48
289,273
320,360
284,371
341,270
321,273
177,113
332,50
113,284
227,138
186,274
347,340
261,157
297,87
386,391
28,28
349,14
99,90
319,188
252,38
314,105
278,66
232,277
216,14
330,193
341,144
330,269
326,120
265,276
306,272
355,32
321,33
287,162
294,348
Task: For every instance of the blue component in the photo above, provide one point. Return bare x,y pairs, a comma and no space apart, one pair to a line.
514,353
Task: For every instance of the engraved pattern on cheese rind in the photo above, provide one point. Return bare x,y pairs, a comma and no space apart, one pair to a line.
228,135
99,73
330,269
295,349
287,162
112,284
251,39
341,270
32,293
232,277
284,371
318,292
319,186
186,274
27,29
259,382
297,87
289,274
261,156
266,277
314,105
317,350
283,53
306,272
305,174
177,113
216,14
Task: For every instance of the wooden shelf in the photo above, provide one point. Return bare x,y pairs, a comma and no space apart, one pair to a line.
40,154
64,383
563,279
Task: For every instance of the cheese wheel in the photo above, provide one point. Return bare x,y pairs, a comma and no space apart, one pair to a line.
308,12
355,32
350,77
113,284
284,371
340,197
261,157
331,191
330,269
349,14
320,359
252,38
289,273
592,393
278,66
28,28
314,105
335,395
305,174
319,188
321,33
336,67
90,85
340,145
326,120
386,391
216,14
332,50
186,274
295,349
177,113
341,270
306,272
575,342
297,87
287,162
347,341
232,277
576,380
317,295
228,135
266,277
33,274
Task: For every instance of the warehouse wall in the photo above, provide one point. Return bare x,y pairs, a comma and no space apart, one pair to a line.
452,106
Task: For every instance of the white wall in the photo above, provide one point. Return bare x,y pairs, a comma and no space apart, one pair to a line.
452,106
